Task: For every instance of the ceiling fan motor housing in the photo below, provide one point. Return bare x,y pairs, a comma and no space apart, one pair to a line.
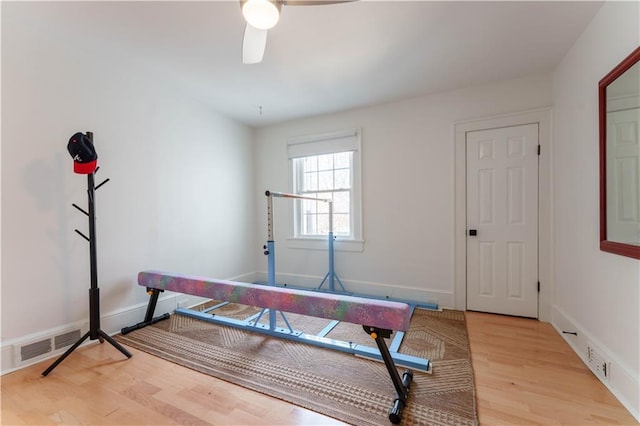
261,14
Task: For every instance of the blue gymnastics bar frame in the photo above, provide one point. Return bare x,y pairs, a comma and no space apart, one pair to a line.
331,277
253,324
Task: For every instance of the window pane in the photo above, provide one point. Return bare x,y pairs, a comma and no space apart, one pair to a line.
341,202
309,224
341,224
325,162
308,207
310,164
323,207
325,180
324,195
342,179
323,224
310,182
342,160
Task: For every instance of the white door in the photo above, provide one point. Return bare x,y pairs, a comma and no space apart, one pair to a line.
502,220
623,176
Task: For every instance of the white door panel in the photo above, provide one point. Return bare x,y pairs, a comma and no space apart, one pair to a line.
623,176
502,206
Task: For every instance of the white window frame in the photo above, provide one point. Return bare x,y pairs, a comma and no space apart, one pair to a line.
348,140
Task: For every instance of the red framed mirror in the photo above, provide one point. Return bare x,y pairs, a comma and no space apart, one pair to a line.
619,122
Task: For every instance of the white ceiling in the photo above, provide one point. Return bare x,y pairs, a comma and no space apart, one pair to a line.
322,59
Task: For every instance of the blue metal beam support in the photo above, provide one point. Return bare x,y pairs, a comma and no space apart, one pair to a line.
331,276
253,322
408,361
271,267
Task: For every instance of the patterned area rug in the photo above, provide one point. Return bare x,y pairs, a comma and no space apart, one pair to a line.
351,389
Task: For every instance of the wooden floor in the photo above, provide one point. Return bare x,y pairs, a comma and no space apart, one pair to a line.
525,374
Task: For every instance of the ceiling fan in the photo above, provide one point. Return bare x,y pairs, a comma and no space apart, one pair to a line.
262,15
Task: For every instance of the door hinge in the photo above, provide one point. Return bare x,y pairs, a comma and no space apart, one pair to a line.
538,286
538,149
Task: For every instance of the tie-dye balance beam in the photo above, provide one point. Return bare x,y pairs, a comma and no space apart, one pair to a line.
378,317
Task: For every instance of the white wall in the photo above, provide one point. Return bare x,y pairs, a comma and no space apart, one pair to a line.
408,189
596,293
180,195
181,176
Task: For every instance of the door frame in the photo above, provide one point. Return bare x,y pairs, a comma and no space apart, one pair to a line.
543,117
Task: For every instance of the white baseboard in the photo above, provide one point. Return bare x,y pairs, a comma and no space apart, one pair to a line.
373,289
622,383
110,323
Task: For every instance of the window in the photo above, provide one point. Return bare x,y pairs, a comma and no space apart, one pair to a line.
326,176
326,167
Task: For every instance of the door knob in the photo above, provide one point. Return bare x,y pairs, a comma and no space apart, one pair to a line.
473,232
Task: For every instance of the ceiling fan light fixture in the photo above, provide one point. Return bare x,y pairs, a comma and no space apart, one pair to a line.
261,14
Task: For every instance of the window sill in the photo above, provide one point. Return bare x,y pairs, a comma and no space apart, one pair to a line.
321,244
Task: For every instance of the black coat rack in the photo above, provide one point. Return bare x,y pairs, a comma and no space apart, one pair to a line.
94,292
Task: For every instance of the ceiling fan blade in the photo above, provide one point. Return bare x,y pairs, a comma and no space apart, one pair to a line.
253,45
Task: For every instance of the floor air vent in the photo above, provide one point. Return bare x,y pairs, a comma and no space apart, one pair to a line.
29,352
35,349
66,339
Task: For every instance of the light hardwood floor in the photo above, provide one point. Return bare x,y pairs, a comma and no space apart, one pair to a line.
525,374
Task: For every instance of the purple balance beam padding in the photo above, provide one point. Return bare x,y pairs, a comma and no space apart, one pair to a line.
357,310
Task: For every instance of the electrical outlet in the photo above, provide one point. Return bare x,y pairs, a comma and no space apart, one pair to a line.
597,363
